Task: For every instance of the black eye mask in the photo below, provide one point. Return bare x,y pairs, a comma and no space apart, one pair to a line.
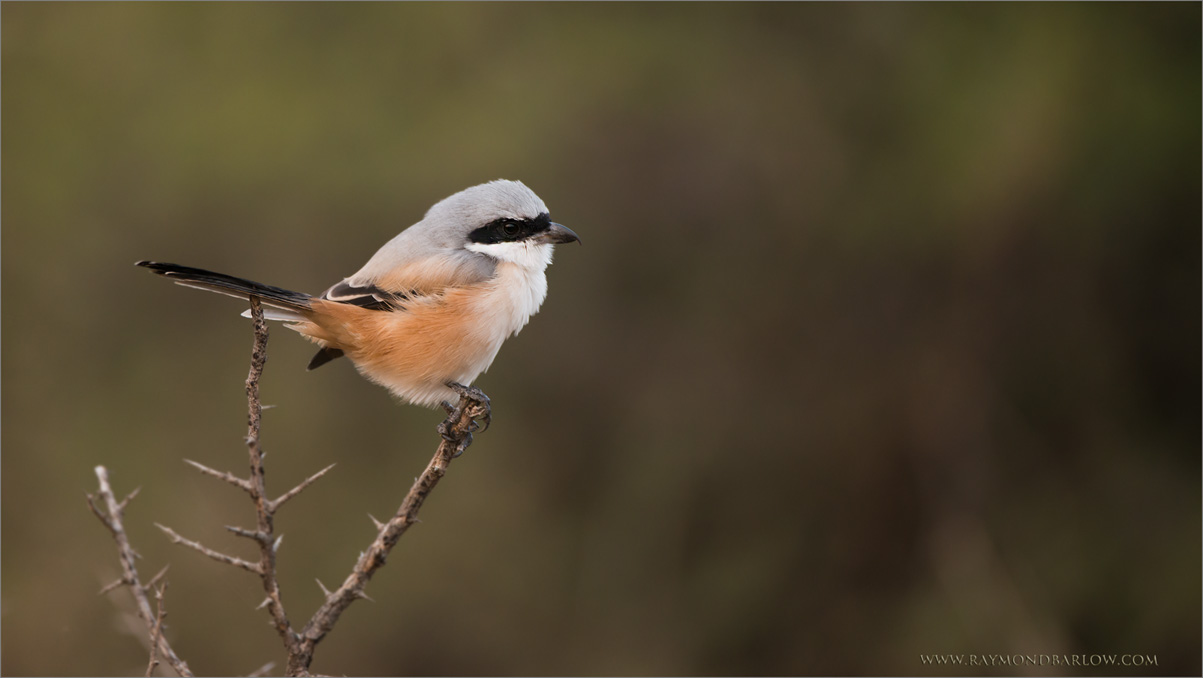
510,230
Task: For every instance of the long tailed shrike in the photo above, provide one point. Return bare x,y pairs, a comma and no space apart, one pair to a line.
429,311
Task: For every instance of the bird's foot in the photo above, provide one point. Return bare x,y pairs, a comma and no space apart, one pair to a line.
475,404
470,392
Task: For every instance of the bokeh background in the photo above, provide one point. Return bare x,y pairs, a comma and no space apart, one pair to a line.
883,340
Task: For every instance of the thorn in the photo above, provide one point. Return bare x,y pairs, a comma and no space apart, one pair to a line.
155,579
266,601
128,498
276,546
249,534
297,490
322,587
379,525
230,478
268,407
112,586
361,594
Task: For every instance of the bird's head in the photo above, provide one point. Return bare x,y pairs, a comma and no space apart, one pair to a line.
503,220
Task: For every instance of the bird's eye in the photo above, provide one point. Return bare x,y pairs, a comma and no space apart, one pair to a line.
510,229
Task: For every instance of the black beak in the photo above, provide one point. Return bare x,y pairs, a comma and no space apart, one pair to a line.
558,234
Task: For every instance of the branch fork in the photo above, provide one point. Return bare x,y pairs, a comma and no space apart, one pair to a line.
112,516
456,433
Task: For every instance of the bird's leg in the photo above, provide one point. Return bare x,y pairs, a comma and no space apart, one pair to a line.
476,396
444,427
469,392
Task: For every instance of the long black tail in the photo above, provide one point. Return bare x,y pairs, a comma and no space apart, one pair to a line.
229,285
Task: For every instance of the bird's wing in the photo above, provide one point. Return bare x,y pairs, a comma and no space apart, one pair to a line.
366,295
393,288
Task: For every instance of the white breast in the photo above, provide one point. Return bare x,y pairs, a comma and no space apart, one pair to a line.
514,295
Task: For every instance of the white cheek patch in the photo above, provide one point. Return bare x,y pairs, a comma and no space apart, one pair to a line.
535,256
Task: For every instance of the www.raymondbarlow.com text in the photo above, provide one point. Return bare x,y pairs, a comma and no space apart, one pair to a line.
1087,660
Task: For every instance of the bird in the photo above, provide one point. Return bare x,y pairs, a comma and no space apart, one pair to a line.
428,312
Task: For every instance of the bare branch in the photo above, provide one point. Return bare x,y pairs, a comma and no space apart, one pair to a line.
230,478
456,431
215,555
157,631
264,508
297,490
114,521
255,486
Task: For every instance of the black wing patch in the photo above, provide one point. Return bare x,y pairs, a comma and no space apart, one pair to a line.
366,296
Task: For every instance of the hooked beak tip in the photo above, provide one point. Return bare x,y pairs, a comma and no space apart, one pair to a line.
560,234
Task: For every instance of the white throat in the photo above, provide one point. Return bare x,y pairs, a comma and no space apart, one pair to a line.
520,285
530,255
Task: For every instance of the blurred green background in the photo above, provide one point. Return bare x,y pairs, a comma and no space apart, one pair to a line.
883,339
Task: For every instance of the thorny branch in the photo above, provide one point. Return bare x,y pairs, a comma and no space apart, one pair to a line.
112,517
264,507
457,436
456,432
255,486
156,632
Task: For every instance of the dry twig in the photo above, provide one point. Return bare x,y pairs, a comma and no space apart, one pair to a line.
456,432
457,436
215,555
256,487
156,632
112,518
